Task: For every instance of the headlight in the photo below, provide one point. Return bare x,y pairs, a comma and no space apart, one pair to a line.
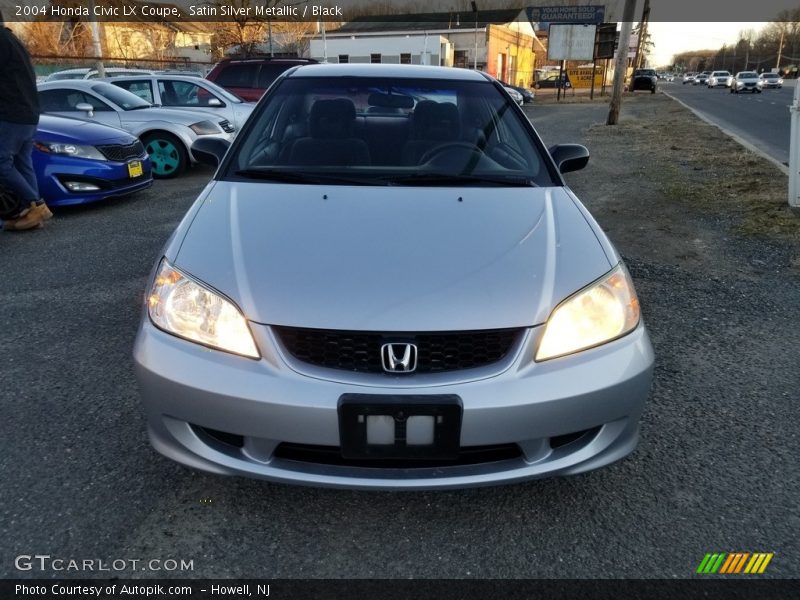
76,150
183,307
205,128
603,311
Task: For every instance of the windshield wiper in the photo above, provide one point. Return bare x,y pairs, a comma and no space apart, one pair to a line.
446,179
307,178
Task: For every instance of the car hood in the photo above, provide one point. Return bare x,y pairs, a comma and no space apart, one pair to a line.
62,129
392,258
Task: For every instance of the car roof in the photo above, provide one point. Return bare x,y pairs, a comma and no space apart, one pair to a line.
190,78
387,70
78,84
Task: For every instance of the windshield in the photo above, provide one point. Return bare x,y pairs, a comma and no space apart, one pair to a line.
646,72
769,75
746,75
378,131
122,98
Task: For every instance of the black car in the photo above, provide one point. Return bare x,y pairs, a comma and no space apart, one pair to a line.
551,81
527,95
645,79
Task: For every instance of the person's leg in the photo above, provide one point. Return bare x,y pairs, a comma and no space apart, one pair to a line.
23,161
14,137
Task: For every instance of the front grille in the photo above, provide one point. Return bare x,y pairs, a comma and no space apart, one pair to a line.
120,152
331,455
226,126
361,351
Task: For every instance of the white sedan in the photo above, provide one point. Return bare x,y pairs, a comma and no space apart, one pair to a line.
185,91
746,81
167,133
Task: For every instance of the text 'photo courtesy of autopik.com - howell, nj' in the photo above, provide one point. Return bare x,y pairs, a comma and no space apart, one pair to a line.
447,299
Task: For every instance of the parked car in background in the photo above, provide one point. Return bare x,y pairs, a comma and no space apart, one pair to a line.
86,73
689,78
167,133
746,81
182,91
78,162
527,95
551,80
515,95
719,79
645,79
380,338
249,78
771,80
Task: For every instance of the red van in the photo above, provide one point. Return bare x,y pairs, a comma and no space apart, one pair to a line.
249,78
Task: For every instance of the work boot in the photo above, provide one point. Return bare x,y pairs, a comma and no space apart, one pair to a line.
43,210
27,219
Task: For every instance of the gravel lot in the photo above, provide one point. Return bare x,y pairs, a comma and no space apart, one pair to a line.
716,469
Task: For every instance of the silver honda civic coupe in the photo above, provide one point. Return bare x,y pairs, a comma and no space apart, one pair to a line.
388,285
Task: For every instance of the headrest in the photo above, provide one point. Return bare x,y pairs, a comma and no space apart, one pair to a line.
436,121
332,118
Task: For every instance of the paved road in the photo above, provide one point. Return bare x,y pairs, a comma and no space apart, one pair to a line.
761,119
716,470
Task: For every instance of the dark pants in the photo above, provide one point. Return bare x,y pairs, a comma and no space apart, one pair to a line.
16,165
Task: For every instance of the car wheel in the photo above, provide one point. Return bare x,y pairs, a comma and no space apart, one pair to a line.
759,91
536,86
653,90
731,90
168,156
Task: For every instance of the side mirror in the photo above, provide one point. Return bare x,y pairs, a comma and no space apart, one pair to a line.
85,107
210,151
215,102
569,157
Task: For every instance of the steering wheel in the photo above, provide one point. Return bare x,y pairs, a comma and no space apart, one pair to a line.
449,147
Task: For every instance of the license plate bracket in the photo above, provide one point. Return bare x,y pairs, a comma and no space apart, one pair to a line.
445,410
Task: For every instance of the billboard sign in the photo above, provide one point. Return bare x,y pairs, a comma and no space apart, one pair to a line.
571,42
566,14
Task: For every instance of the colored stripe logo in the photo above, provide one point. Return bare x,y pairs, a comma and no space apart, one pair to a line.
733,563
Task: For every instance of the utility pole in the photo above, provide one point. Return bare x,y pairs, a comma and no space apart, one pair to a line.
475,58
621,62
780,47
96,46
642,34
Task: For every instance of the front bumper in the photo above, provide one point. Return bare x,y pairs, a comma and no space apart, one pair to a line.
111,177
268,404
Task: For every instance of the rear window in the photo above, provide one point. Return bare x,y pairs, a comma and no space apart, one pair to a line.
238,75
270,72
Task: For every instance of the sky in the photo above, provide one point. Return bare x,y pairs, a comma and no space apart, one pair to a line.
672,38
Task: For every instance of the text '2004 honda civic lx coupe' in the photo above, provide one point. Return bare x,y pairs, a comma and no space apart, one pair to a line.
388,285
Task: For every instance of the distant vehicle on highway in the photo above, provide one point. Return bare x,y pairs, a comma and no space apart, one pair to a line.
746,81
771,80
689,78
645,79
719,79
701,78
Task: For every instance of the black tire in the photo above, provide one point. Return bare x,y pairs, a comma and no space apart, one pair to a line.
759,91
537,86
176,157
652,90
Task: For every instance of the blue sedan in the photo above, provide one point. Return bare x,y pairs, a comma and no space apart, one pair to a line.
77,162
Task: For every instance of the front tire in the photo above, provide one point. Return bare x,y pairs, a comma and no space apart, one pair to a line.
168,156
